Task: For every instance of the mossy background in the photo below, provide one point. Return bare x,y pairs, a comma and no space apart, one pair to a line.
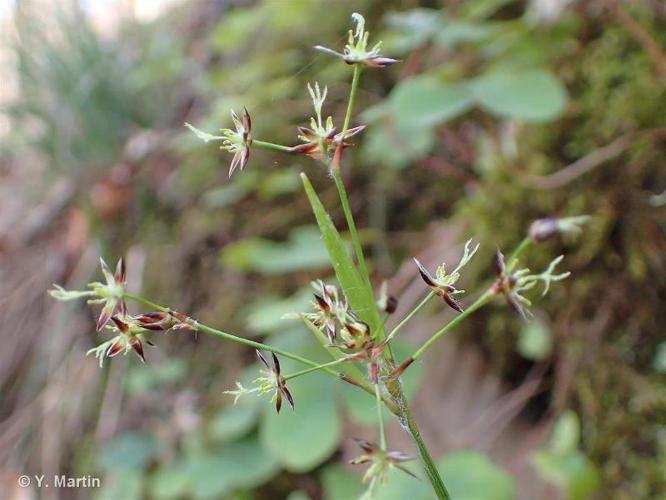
94,160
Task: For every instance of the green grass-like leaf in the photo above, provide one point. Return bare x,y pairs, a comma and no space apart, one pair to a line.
360,298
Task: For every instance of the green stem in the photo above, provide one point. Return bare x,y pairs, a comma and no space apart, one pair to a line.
342,191
270,146
520,249
239,340
352,97
414,311
356,241
314,368
428,464
478,304
405,413
380,418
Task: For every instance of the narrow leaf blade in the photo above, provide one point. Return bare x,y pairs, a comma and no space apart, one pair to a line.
359,297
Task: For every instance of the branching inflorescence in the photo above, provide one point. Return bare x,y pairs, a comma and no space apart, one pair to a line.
347,320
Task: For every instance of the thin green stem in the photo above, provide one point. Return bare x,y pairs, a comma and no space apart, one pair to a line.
428,464
314,368
478,304
413,313
520,249
146,302
380,418
270,146
356,241
228,336
352,97
342,191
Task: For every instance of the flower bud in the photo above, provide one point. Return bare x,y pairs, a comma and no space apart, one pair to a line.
544,229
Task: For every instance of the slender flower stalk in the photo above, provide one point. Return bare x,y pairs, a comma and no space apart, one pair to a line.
314,368
380,417
451,325
200,327
342,191
407,420
270,146
411,314
356,78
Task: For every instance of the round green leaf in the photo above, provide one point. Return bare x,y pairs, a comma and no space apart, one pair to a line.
566,433
531,95
242,464
572,471
471,475
298,495
397,147
169,483
127,485
234,421
399,486
304,438
535,341
339,483
424,101
132,450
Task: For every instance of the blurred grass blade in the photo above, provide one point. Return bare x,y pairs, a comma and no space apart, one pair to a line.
358,295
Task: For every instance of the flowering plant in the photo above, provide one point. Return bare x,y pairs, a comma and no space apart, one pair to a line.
347,320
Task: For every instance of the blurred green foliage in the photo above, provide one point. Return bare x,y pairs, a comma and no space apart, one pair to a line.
83,95
563,462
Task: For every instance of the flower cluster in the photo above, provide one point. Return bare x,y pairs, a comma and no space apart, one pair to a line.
331,310
236,141
322,138
129,337
381,461
111,294
356,50
348,333
442,284
130,331
513,284
271,382
164,321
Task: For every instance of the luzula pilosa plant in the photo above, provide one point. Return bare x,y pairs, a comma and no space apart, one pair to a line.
347,320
